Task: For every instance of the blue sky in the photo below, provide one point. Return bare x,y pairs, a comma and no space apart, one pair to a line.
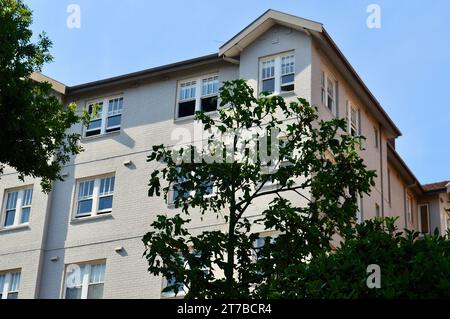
406,63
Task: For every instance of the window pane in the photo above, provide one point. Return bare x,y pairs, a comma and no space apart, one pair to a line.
86,190
9,218
99,110
107,185
105,203
210,86
27,197
96,124
269,86
287,79
15,282
2,283
25,215
209,104
97,274
187,90
115,106
11,201
287,65
186,108
268,69
95,291
84,207
73,293
114,121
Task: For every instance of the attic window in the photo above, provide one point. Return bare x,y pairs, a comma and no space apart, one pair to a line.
277,73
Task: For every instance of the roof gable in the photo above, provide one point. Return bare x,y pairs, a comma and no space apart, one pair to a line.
267,20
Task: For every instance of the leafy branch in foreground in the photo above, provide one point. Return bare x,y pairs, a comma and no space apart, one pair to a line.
34,122
310,192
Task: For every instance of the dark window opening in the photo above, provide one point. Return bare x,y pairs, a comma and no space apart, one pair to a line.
209,104
186,108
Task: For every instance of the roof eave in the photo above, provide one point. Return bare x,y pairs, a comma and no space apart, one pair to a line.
144,74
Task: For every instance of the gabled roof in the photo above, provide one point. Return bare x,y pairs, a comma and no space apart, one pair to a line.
258,27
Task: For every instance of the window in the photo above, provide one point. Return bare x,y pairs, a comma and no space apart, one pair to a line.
377,138
260,243
389,186
85,281
197,95
377,210
17,207
329,90
359,217
172,281
106,120
175,193
287,73
424,219
409,209
277,74
352,119
95,197
9,285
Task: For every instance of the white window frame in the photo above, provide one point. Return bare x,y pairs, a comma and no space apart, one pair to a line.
198,94
8,278
428,218
377,137
19,207
350,124
95,197
85,280
359,217
325,78
278,74
105,115
171,195
409,209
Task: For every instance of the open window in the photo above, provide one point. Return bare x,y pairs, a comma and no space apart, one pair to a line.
199,94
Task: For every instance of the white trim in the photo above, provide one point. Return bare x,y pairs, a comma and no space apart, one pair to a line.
277,75
198,94
8,277
95,197
18,207
327,77
409,209
350,125
104,115
427,205
85,280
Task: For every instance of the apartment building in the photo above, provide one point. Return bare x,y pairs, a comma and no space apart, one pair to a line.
96,217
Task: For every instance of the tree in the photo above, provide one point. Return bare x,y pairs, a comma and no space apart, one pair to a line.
317,162
411,266
33,121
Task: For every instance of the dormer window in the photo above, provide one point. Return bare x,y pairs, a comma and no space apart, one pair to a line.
277,73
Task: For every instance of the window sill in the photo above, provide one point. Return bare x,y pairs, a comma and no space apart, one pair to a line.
100,136
14,228
91,219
